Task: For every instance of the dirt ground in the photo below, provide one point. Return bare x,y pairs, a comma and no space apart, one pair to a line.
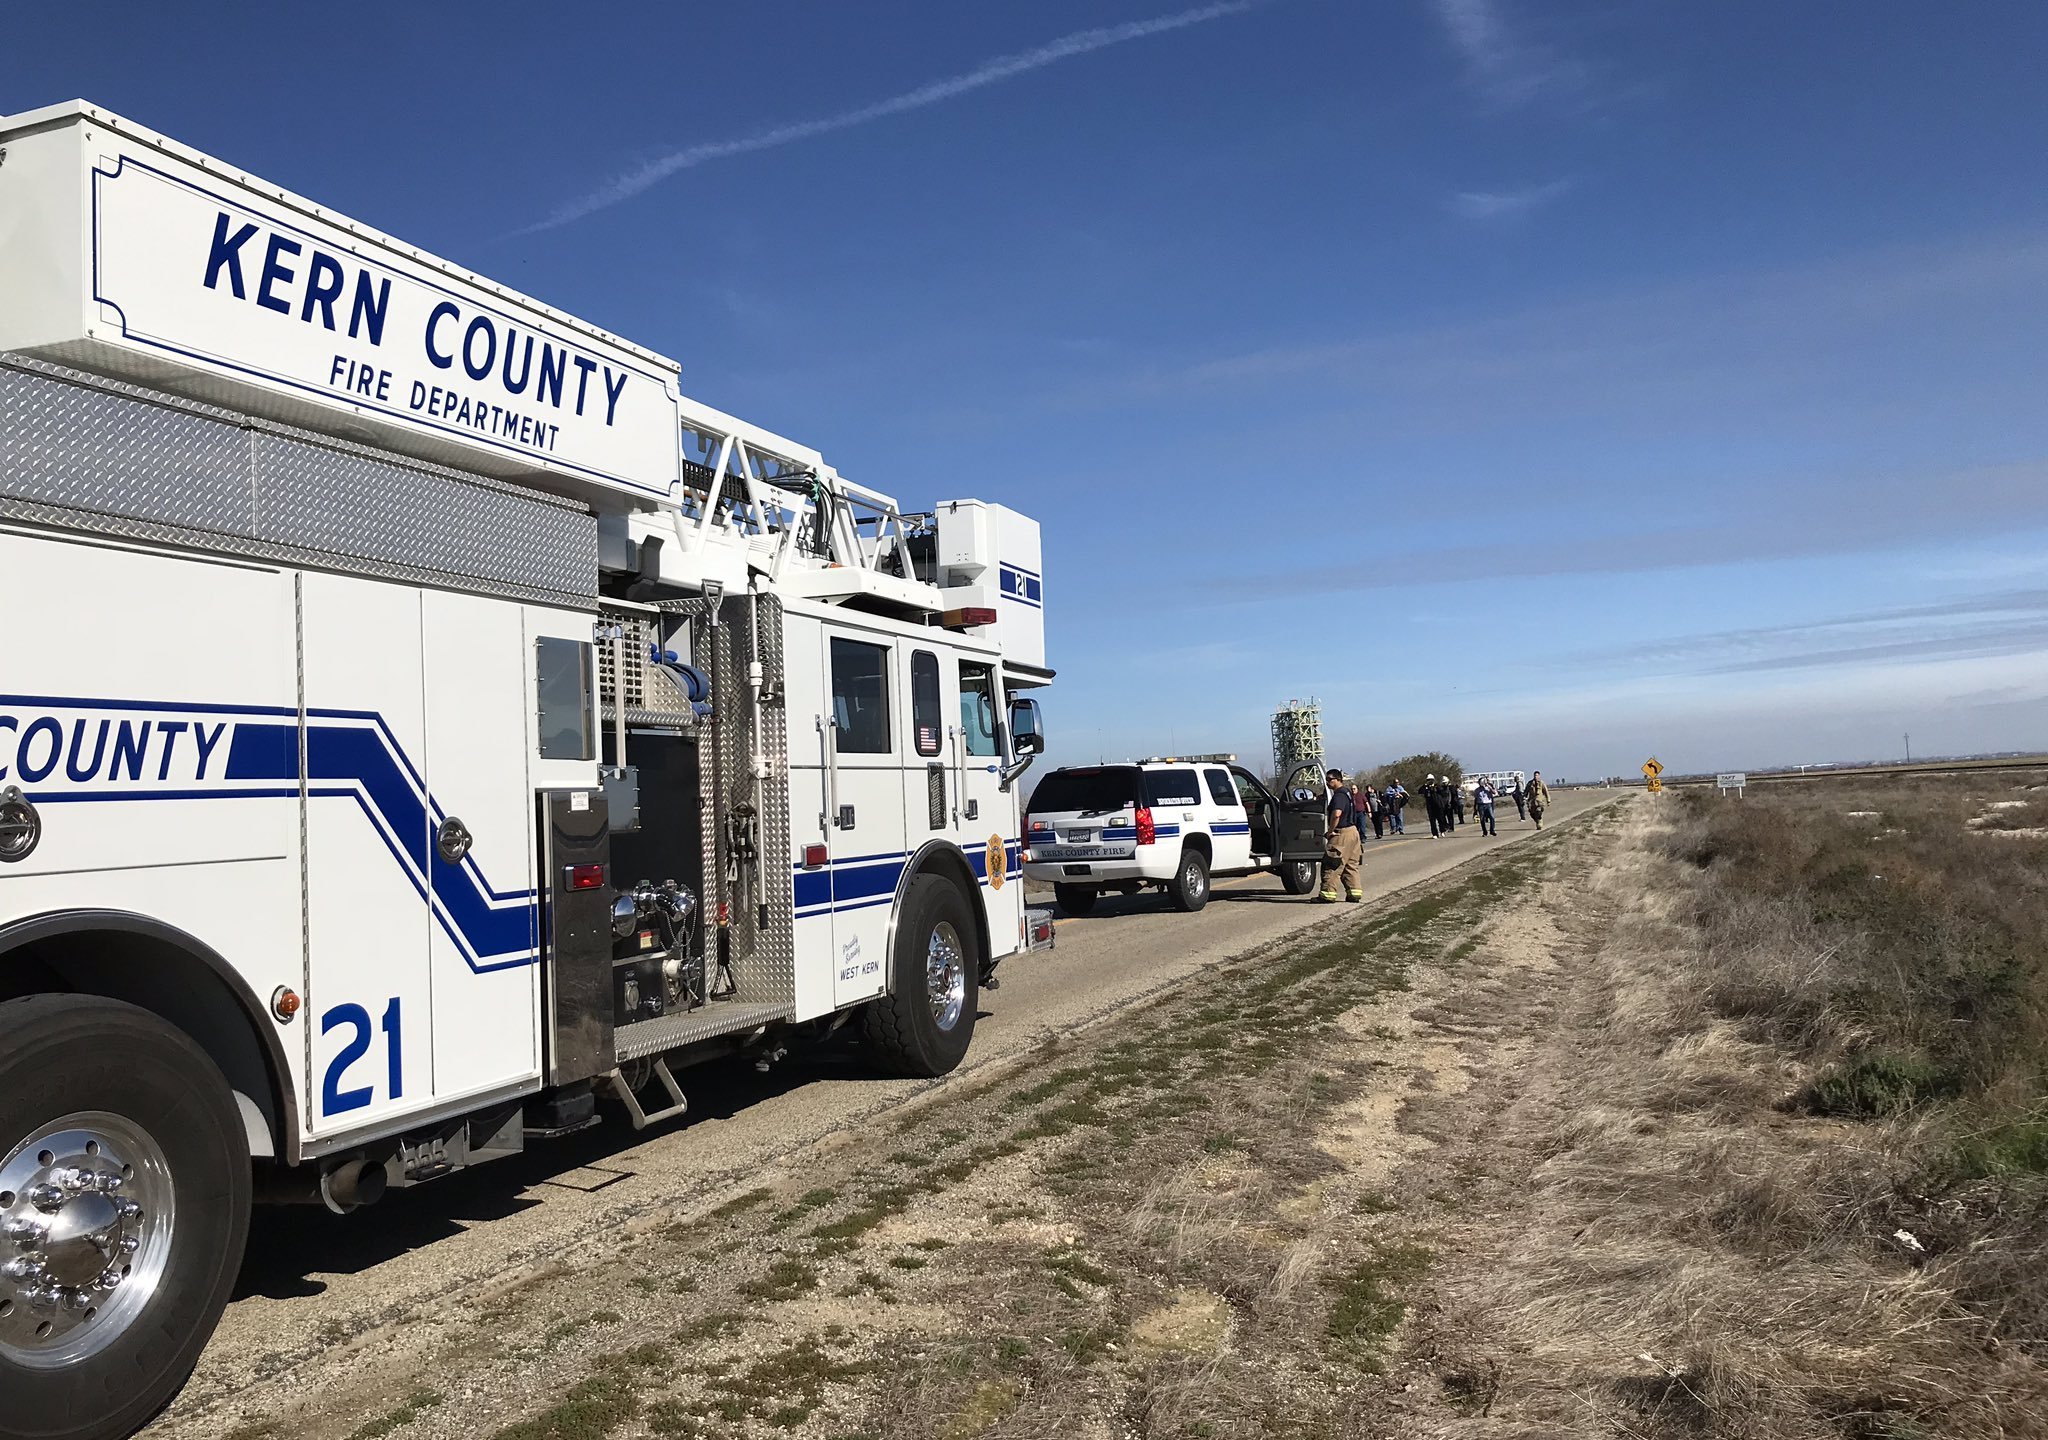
1247,1210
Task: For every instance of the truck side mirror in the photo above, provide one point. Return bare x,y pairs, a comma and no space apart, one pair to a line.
1027,739
1027,732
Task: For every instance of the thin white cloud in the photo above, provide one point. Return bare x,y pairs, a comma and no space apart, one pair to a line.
989,72
1507,204
1505,68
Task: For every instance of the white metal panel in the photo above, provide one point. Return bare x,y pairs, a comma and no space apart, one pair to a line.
369,1004
485,939
172,816
192,275
804,698
42,217
127,746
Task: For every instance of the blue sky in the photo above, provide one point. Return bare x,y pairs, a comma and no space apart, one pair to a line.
1554,384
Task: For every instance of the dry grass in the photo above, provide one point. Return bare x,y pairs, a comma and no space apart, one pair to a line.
1782,1177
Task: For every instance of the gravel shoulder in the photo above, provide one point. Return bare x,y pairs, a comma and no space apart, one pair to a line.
469,1304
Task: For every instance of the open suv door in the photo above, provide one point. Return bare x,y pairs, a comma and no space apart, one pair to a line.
1287,834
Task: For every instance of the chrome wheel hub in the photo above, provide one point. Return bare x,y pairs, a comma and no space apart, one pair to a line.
945,975
85,1229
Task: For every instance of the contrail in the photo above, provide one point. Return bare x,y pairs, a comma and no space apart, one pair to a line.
1002,67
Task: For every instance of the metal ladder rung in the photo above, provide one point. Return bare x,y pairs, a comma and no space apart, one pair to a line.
643,1118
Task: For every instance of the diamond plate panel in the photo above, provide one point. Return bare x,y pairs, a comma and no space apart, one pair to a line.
81,452
764,963
778,945
80,448
359,508
652,1037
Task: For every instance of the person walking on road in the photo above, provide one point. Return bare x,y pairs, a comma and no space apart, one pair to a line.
1376,808
1482,801
1516,791
1396,798
1361,811
1457,798
1340,839
1538,795
1432,801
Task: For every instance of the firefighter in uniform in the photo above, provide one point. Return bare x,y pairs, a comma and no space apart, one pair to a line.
1340,855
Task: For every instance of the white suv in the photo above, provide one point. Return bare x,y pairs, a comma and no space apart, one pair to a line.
1171,824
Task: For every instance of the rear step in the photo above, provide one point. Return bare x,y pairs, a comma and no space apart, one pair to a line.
643,1118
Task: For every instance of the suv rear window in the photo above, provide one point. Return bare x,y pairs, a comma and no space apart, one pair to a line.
1172,787
1092,788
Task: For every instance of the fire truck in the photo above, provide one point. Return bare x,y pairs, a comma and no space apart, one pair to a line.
419,723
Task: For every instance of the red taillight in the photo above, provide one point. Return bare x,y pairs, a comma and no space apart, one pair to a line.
586,877
814,856
1146,833
971,615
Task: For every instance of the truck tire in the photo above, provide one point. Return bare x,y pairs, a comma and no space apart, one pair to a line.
1189,889
922,1027
124,1206
1076,899
1299,876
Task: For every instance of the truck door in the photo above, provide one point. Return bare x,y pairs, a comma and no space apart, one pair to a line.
1230,832
1261,812
989,829
1302,827
865,744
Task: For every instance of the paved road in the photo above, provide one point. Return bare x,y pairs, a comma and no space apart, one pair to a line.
314,1280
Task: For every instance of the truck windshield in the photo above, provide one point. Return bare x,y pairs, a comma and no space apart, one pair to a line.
1092,789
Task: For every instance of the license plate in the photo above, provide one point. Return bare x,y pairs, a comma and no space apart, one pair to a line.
1078,837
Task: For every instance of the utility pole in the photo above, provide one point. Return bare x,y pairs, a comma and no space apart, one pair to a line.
1909,748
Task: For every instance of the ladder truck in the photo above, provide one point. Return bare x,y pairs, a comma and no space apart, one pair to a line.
419,723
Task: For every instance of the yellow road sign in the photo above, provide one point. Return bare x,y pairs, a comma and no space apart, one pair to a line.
1652,768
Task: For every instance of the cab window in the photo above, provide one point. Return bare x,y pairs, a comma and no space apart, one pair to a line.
1220,788
860,697
978,709
924,702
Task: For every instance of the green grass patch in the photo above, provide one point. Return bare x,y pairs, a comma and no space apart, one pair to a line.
708,1327
785,1280
740,1203
2014,1147
1880,1084
592,1410
1366,1305
415,1405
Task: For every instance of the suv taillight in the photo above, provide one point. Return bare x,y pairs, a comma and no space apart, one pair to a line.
1146,834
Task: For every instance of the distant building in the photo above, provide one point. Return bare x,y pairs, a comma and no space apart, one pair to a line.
1297,735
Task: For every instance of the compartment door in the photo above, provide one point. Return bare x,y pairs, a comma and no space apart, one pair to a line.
369,1002
485,937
